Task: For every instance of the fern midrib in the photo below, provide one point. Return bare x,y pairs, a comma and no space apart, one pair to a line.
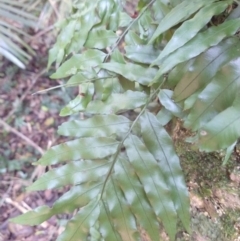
128,133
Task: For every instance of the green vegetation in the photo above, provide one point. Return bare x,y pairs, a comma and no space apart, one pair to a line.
174,60
17,16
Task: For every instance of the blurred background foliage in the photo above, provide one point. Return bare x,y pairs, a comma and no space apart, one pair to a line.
19,18
27,30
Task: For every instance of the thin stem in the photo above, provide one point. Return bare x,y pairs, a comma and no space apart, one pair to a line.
126,136
19,134
70,85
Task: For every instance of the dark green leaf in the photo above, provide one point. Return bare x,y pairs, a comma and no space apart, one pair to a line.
84,148
201,71
190,28
77,197
125,19
133,191
159,143
145,54
222,131
77,79
87,19
218,95
118,102
165,97
200,43
81,101
100,39
35,217
64,38
164,116
73,173
181,12
152,179
132,72
119,210
117,57
160,10
90,58
107,228
78,227
126,84
133,39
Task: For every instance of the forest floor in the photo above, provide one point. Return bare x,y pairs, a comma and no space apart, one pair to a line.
28,125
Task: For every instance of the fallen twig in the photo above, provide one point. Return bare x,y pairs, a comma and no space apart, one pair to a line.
23,137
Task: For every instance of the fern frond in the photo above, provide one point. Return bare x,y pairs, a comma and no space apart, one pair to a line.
124,173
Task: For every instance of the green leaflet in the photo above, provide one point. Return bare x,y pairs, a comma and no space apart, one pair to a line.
200,43
118,102
152,179
78,227
107,229
110,86
159,143
124,20
165,97
84,148
76,197
86,21
144,23
126,84
132,72
80,102
222,131
73,173
133,39
119,212
89,58
74,33
218,95
164,116
160,10
181,12
190,101
144,54
198,74
100,39
35,217
190,28
94,234
101,86
57,52
229,152
107,10
128,182
117,57
99,125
